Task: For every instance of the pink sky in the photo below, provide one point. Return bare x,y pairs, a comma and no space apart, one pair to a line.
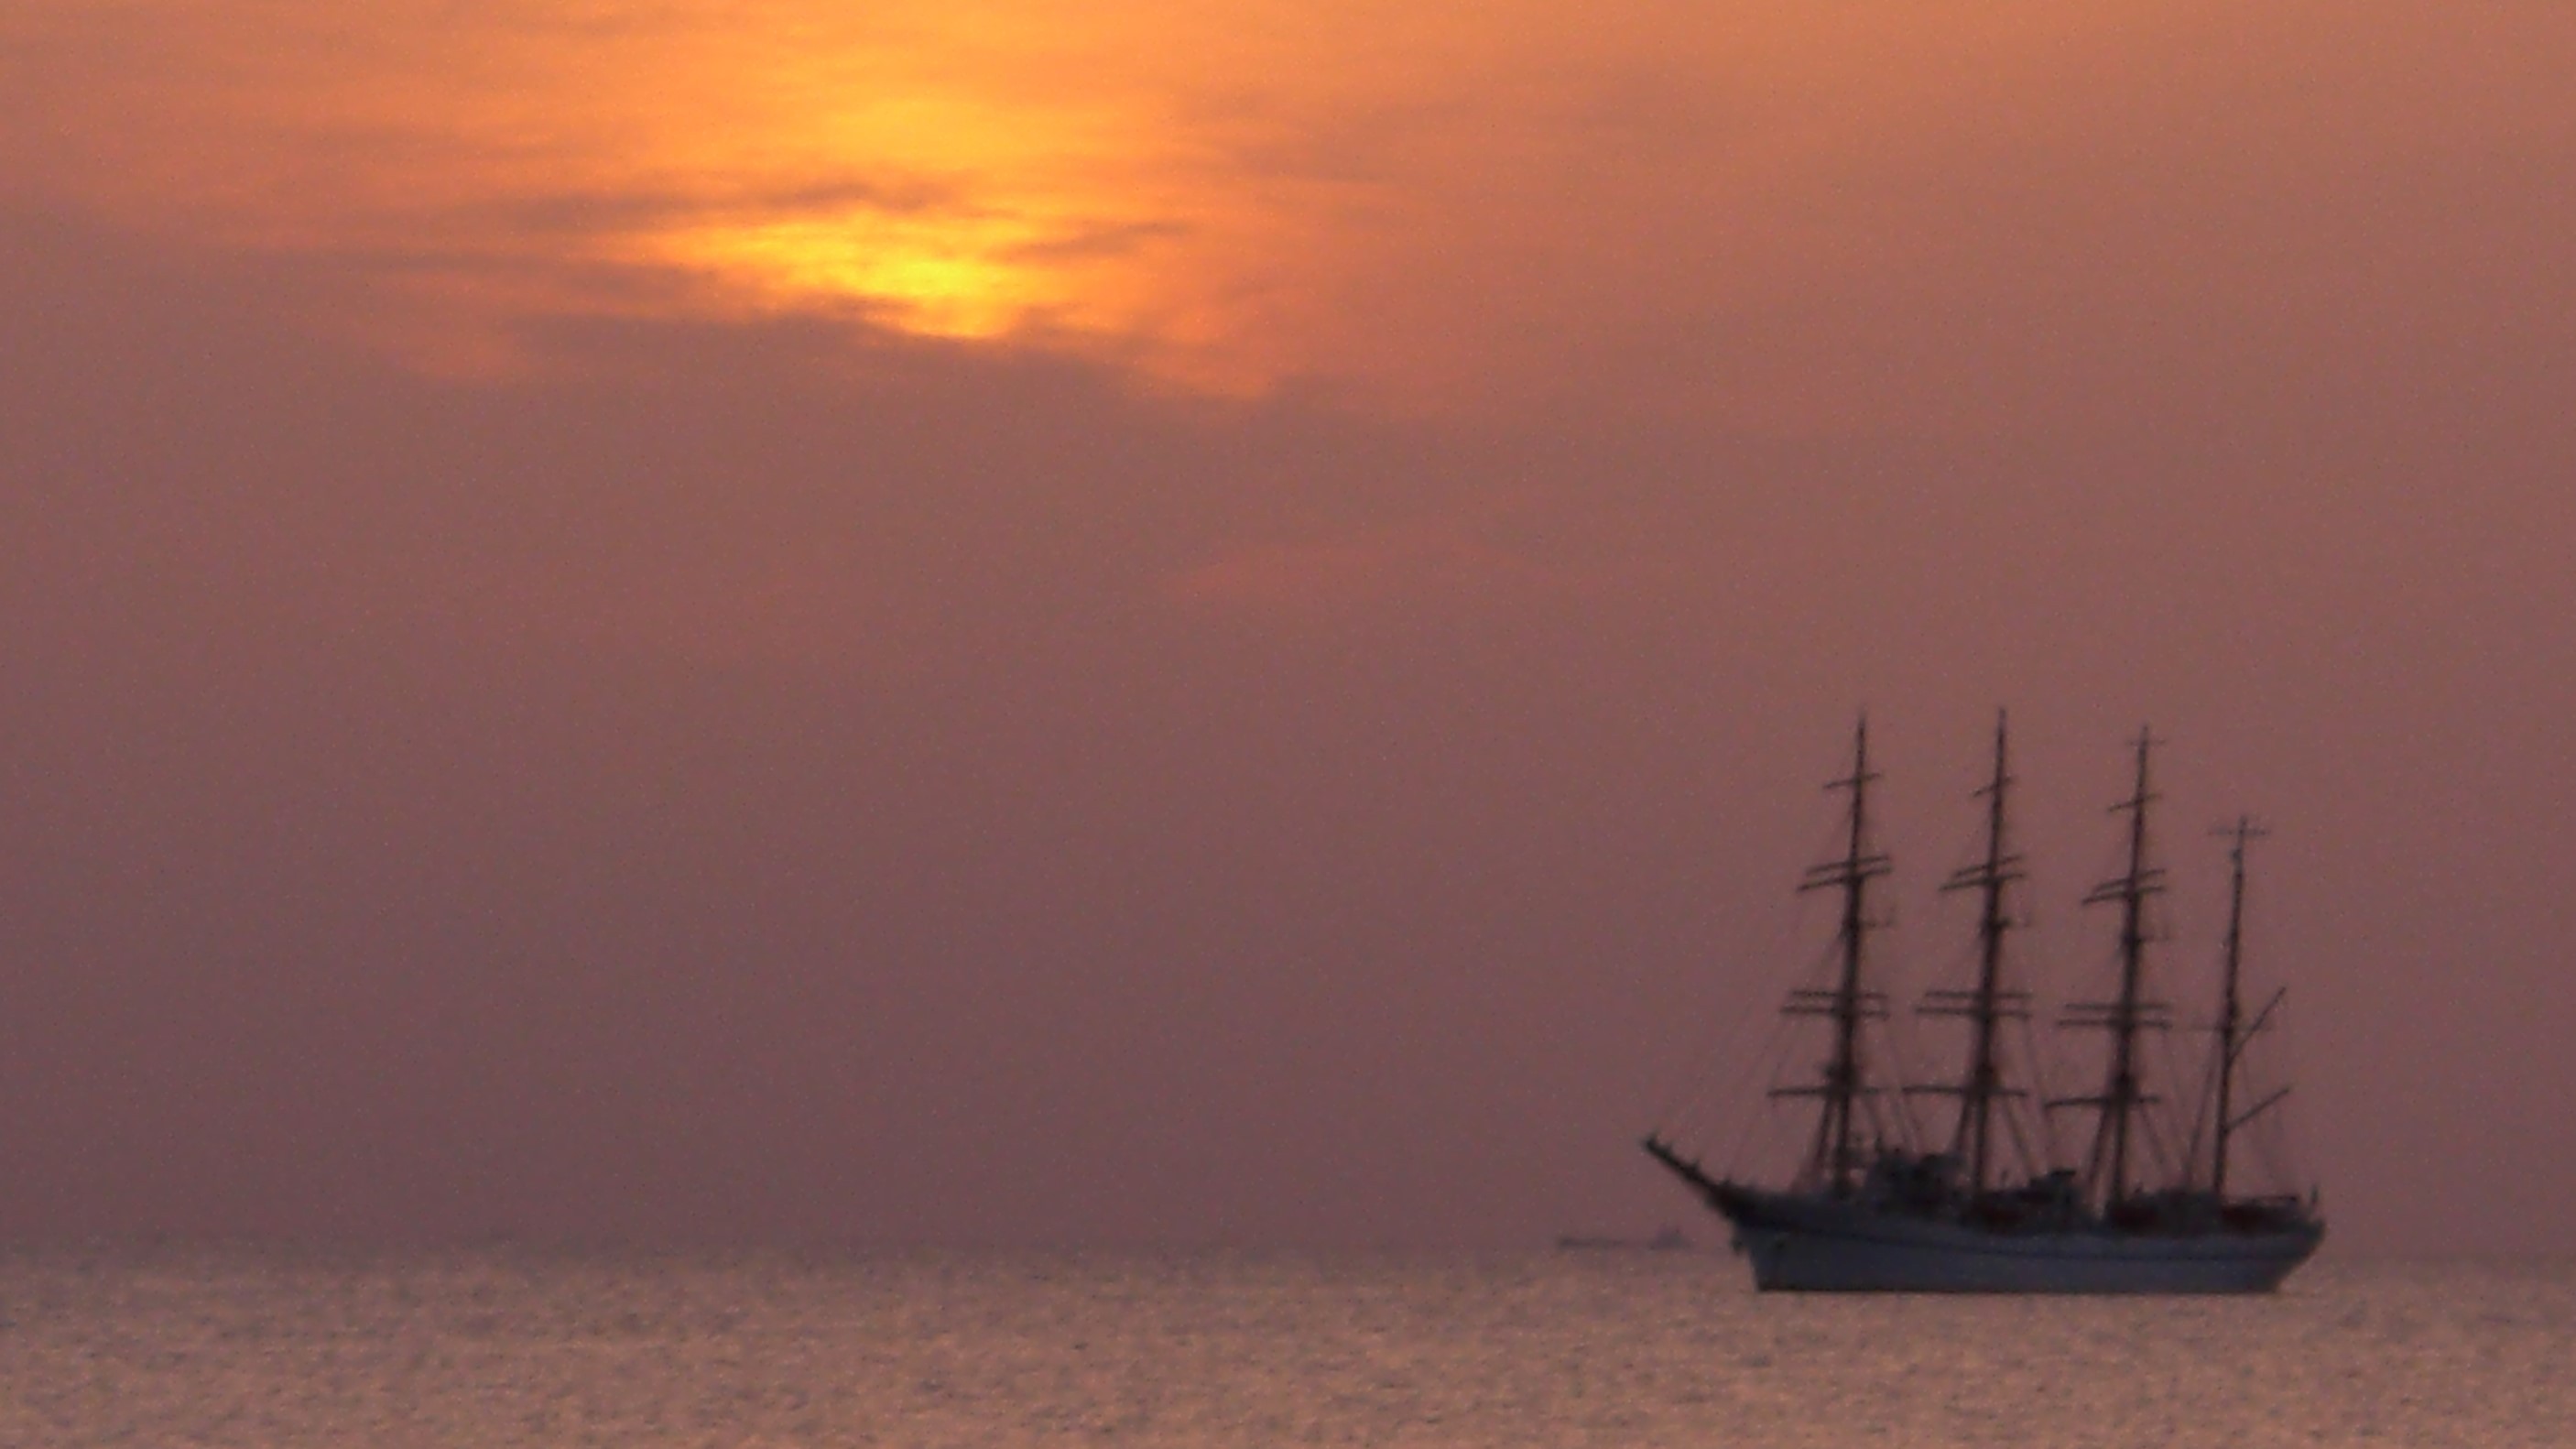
1221,624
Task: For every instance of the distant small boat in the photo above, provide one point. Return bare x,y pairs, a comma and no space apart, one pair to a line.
1871,1209
1669,1240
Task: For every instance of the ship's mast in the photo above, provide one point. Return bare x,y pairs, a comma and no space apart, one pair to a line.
1989,1004
1849,1002
2126,1017
2230,1008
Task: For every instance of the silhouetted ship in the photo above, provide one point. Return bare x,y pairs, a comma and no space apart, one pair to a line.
1871,1208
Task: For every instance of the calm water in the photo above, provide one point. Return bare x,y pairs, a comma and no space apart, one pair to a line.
277,1350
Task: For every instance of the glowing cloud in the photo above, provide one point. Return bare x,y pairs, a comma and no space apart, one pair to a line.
981,172
1213,196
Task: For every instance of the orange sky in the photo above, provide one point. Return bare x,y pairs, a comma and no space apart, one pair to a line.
1089,596
1221,197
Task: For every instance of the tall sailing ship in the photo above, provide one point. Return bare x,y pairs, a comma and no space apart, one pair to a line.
1871,1207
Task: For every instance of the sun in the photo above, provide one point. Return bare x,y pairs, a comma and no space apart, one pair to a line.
937,276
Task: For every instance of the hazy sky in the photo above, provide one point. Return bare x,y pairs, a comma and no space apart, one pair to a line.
973,623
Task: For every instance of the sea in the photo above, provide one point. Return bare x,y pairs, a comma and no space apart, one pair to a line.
270,1348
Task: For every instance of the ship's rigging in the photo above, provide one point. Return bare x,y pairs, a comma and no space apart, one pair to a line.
1990,1207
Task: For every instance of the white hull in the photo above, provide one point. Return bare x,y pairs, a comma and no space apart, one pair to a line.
1814,1244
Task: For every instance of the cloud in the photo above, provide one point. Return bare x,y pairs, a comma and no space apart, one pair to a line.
1430,205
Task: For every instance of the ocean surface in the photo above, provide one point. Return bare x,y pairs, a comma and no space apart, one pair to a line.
275,1349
